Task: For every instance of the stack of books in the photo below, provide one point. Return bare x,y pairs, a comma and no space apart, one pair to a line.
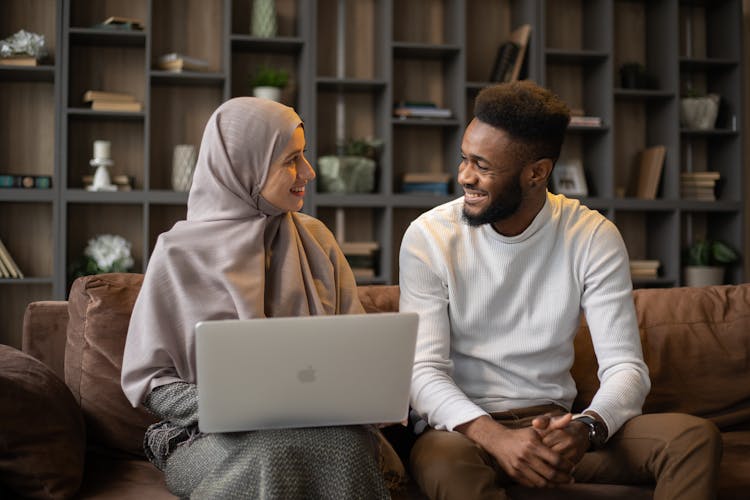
412,109
361,256
8,267
698,185
644,269
177,63
111,101
426,182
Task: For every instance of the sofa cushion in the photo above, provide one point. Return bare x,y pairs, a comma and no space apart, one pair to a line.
44,326
696,343
42,438
99,308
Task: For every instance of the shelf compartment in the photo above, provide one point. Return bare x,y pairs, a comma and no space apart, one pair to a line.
425,149
288,13
88,13
361,50
577,26
642,94
699,224
428,22
651,234
35,16
173,123
28,146
108,68
188,27
27,231
127,148
245,64
125,220
360,224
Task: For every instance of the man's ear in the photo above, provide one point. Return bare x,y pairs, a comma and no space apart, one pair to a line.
539,172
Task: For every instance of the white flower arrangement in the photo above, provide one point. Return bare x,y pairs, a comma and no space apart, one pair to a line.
106,253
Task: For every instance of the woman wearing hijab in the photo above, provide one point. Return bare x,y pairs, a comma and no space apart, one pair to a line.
243,252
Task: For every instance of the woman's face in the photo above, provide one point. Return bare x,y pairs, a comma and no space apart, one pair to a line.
285,184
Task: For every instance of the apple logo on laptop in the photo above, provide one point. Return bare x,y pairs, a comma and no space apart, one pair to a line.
307,375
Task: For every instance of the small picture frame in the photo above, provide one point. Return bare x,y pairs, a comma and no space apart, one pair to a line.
569,179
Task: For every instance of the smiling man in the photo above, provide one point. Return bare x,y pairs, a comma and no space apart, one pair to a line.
500,278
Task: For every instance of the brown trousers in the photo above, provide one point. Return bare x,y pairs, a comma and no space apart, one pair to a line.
679,453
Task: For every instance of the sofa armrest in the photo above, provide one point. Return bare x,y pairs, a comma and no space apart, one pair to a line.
44,331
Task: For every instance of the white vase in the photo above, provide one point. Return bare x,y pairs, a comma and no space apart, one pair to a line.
263,20
704,275
183,164
271,93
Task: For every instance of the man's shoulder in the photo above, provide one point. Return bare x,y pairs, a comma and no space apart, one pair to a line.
576,214
447,213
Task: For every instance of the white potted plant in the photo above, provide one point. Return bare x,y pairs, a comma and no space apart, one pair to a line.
267,82
706,261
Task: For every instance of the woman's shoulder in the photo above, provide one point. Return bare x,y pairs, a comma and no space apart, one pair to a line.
315,226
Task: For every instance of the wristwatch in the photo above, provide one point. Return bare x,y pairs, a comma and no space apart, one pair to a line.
597,431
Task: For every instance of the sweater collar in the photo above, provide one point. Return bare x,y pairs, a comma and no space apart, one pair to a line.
537,224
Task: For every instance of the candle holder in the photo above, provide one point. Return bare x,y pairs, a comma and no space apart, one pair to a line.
101,160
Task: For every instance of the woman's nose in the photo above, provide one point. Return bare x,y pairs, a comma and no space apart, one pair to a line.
305,170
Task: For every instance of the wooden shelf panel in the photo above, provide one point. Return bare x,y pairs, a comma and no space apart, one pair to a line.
279,44
162,77
424,50
571,56
97,36
326,83
42,73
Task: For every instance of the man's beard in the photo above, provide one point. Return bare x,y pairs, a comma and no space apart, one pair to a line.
502,207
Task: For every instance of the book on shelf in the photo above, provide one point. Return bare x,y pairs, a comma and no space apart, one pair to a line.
649,172
406,109
426,177
585,121
102,105
8,263
644,268
19,61
510,56
25,181
364,248
177,62
104,95
699,186
437,188
123,23
705,175
4,273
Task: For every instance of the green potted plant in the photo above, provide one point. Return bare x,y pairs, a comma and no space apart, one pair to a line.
705,262
267,82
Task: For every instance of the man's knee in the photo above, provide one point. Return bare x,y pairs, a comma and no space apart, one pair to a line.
439,454
697,432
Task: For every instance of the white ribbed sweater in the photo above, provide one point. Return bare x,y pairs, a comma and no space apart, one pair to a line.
497,315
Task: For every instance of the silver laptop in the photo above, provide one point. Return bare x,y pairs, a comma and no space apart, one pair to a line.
304,372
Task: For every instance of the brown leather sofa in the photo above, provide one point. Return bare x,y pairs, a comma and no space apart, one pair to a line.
81,439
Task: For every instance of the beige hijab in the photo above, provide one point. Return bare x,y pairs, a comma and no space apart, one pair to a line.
236,255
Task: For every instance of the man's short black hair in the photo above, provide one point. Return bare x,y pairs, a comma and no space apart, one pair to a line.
528,113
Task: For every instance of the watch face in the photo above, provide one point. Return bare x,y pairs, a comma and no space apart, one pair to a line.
597,431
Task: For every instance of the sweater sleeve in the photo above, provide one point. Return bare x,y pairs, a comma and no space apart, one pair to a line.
607,302
434,394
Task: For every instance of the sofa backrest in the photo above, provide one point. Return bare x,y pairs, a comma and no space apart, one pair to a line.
696,342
